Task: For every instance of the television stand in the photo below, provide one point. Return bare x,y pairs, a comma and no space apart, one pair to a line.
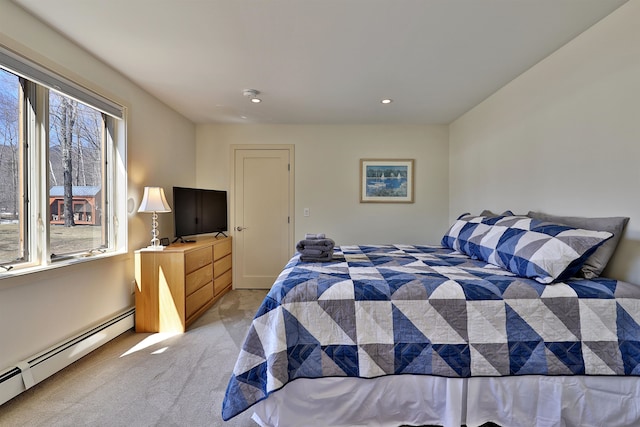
179,284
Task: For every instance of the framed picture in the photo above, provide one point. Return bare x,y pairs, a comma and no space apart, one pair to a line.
386,180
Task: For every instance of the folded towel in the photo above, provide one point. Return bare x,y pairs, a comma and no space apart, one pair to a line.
325,248
316,249
324,258
321,244
314,236
313,252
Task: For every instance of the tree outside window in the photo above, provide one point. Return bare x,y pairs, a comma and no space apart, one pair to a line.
74,216
10,247
76,149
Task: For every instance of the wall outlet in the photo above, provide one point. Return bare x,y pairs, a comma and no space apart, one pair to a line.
306,212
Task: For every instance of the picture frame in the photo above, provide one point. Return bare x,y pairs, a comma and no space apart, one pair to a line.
386,180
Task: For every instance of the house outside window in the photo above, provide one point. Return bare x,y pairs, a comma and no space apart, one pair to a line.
62,161
75,170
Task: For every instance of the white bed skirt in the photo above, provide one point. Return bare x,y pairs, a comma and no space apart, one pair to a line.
523,401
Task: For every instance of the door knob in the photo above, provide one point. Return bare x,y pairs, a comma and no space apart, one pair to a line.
239,228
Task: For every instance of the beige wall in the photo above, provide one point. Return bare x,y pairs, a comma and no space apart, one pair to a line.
327,162
563,138
38,310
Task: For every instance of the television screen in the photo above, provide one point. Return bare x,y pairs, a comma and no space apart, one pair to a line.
199,211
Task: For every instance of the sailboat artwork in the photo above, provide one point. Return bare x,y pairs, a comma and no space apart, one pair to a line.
386,180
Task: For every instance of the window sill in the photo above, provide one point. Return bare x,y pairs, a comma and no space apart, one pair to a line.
56,265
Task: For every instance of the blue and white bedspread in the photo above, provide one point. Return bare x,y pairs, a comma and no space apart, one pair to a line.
401,309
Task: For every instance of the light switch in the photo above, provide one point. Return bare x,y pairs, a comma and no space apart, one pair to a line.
306,212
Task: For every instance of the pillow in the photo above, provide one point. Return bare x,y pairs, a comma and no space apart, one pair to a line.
490,213
595,264
525,246
463,232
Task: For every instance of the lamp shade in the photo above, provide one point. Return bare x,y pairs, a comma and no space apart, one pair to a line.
153,200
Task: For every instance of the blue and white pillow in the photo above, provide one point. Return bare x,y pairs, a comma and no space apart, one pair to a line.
528,247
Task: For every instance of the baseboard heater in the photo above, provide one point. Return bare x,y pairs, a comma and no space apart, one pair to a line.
30,372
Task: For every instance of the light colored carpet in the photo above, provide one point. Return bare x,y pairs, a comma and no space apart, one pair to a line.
147,379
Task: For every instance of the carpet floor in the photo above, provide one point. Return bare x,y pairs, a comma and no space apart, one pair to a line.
147,379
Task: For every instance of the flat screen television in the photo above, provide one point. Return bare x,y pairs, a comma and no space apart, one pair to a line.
199,211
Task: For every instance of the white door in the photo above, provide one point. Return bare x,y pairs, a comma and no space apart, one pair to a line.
262,217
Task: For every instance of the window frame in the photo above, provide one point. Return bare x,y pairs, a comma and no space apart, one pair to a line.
33,171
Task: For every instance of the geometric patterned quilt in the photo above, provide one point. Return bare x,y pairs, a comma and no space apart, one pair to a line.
404,309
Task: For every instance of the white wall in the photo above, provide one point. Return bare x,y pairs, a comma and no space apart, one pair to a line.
38,310
563,138
327,164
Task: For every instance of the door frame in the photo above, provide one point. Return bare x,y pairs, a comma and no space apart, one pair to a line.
233,148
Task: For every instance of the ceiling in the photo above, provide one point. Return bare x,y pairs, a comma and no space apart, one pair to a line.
321,61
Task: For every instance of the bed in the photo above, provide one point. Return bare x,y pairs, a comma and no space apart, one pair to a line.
496,324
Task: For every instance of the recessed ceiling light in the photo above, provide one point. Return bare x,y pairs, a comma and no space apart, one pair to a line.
387,101
252,94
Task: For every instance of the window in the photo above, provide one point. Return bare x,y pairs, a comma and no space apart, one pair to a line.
76,182
10,200
61,164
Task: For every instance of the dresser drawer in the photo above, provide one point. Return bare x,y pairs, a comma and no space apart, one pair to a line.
222,249
222,281
198,278
195,259
221,265
199,298
178,284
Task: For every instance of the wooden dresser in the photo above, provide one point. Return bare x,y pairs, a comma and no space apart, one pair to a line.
176,285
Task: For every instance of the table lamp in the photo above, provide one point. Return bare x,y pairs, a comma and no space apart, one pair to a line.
154,201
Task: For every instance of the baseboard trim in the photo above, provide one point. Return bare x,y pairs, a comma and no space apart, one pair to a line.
41,366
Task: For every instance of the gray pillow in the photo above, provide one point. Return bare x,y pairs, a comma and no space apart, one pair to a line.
490,213
594,265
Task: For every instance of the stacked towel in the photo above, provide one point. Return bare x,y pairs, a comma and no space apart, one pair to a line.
315,248
314,236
